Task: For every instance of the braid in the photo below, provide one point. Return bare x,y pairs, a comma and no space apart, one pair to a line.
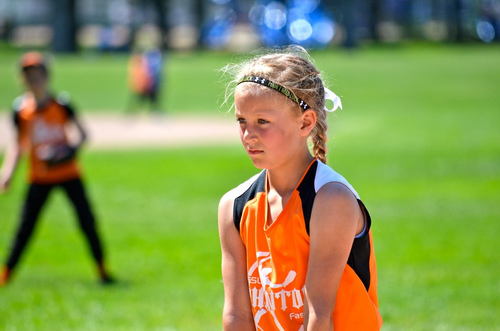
320,138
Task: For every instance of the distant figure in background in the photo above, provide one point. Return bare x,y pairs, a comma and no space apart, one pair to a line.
42,122
144,78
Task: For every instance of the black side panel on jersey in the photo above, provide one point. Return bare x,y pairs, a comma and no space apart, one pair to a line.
63,99
359,258
16,108
15,118
307,193
70,112
239,203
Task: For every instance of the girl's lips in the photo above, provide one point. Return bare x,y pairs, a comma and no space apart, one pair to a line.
254,151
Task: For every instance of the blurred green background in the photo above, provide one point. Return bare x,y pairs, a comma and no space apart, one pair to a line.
418,138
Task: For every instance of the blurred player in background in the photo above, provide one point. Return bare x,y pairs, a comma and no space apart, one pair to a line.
145,71
43,125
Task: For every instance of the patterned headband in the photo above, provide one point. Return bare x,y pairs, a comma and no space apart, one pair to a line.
283,90
329,95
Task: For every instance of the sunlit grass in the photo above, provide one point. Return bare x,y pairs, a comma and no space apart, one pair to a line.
417,138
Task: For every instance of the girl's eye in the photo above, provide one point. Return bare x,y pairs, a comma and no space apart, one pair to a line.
262,121
241,120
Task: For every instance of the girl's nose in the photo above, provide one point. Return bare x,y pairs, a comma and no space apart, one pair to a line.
249,135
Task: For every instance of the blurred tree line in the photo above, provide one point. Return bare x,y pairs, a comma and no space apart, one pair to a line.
359,20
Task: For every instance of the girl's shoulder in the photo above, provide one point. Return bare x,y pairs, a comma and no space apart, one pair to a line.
230,200
242,188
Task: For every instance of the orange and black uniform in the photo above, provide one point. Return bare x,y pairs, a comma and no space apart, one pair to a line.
277,257
39,128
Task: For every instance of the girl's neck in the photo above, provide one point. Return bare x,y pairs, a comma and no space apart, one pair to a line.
41,96
285,179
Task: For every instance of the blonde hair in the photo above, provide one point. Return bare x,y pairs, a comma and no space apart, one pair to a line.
293,69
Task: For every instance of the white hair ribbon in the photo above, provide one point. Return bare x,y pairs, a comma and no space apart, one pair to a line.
329,95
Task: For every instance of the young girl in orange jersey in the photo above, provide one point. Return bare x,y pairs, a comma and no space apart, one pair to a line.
41,122
297,250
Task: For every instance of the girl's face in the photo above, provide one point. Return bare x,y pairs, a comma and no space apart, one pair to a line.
35,79
270,129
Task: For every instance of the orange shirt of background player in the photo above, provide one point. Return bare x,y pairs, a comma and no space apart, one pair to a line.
38,130
139,77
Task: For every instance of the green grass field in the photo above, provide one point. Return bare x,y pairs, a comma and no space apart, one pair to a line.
418,138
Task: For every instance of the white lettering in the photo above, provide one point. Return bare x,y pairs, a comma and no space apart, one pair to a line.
254,280
46,133
268,290
270,305
296,315
258,297
283,294
262,298
298,301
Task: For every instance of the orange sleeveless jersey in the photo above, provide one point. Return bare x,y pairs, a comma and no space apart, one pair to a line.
39,129
277,258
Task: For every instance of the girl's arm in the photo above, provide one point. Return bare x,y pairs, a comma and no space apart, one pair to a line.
82,134
9,165
237,313
335,220
76,137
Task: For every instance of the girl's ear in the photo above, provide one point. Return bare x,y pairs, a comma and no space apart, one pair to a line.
308,122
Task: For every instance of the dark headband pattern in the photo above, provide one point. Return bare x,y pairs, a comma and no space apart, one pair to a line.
277,87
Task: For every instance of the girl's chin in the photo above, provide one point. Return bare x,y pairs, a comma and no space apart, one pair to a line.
259,164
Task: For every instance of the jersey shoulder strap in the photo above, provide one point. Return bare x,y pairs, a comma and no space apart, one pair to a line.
253,186
318,175
307,193
17,106
63,99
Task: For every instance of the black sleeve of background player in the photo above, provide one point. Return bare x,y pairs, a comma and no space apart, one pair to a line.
15,118
70,111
